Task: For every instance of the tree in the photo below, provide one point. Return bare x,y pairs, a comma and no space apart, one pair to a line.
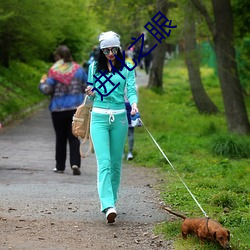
242,33
201,99
28,33
223,37
156,71
130,22
126,18
24,32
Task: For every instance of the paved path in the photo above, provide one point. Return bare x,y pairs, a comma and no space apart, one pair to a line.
141,78
27,160
26,163
31,191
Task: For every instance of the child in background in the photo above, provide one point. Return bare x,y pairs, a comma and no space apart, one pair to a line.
130,128
130,133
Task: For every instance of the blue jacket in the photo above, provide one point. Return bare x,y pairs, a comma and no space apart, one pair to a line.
65,97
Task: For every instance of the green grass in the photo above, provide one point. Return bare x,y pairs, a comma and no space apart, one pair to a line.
19,88
214,164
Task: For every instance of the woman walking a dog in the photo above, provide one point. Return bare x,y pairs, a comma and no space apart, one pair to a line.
109,123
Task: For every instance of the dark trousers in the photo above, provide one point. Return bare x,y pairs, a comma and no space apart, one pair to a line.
147,65
130,129
130,139
62,122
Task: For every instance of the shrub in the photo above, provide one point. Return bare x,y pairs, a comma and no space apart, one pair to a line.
231,146
223,200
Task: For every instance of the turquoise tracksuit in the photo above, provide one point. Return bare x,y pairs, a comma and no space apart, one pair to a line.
109,129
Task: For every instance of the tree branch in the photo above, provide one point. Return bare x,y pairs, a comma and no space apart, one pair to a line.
172,5
202,9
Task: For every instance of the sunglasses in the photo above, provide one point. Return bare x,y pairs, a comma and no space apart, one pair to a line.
106,51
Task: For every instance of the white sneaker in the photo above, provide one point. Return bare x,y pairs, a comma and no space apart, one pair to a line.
130,156
76,170
58,171
111,214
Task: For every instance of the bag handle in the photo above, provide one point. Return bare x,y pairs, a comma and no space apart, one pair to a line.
86,138
91,148
85,99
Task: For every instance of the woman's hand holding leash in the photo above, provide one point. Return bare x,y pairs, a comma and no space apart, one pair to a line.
135,116
89,91
134,109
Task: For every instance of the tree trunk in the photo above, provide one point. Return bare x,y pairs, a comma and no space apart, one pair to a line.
233,97
201,99
156,71
223,37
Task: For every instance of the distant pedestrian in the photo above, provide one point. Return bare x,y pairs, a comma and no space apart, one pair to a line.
93,55
136,56
130,133
130,127
147,59
65,84
130,52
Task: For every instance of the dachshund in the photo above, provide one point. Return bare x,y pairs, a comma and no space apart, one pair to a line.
204,229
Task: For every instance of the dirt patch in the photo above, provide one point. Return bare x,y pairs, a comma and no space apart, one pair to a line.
51,234
43,210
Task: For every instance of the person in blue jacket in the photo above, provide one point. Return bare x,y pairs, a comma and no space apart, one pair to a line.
65,83
107,81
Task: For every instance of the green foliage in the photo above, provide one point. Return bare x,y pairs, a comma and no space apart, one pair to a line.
243,61
231,146
19,87
241,17
242,37
132,14
223,200
29,33
219,183
170,230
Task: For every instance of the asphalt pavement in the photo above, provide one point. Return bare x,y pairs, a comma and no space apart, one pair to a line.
28,182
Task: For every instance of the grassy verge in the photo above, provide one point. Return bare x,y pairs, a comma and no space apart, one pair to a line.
19,88
214,164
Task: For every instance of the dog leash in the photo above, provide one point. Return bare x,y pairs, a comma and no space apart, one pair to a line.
174,169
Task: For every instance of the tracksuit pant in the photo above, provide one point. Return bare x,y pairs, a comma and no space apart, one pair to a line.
108,133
